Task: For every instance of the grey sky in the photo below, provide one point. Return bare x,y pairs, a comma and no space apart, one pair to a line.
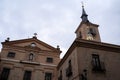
55,21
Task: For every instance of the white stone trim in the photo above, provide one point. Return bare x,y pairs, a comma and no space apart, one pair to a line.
47,64
30,62
13,60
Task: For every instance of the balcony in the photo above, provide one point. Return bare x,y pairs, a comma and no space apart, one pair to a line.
60,77
100,68
69,71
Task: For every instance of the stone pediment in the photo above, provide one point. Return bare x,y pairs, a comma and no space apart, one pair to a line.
31,43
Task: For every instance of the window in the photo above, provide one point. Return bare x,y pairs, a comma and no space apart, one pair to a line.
5,74
50,60
80,35
61,72
83,76
27,75
60,77
95,61
48,76
33,44
11,54
97,64
92,31
69,69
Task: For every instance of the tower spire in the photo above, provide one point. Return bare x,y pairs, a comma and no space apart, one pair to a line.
84,15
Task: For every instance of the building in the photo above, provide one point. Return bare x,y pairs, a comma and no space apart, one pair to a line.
28,59
87,58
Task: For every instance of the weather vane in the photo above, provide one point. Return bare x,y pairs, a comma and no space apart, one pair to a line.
82,4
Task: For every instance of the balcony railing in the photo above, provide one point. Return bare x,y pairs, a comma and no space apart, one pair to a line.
100,68
68,71
60,77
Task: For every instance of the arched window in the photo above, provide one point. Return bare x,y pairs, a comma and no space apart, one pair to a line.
31,56
33,44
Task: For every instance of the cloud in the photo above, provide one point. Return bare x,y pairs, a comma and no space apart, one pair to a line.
55,21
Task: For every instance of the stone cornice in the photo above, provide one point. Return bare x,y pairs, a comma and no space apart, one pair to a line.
27,62
10,43
87,23
97,45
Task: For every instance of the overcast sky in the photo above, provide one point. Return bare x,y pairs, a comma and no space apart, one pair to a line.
55,21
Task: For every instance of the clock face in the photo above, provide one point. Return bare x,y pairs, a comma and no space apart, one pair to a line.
33,44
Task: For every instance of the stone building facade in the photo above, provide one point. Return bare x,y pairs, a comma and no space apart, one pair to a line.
28,59
87,58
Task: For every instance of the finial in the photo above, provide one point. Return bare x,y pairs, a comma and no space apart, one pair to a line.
58,47
7,40
84,15
35,35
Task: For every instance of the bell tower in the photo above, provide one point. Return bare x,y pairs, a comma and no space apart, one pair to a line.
87,30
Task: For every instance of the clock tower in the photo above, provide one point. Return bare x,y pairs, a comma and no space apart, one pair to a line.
87,30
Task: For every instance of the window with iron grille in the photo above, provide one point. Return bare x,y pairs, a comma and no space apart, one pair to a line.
27,75
60,77
97,65
11,54
95,61
69,69
48,76
5,74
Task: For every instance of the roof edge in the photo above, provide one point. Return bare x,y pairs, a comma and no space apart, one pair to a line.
89,44
87,23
